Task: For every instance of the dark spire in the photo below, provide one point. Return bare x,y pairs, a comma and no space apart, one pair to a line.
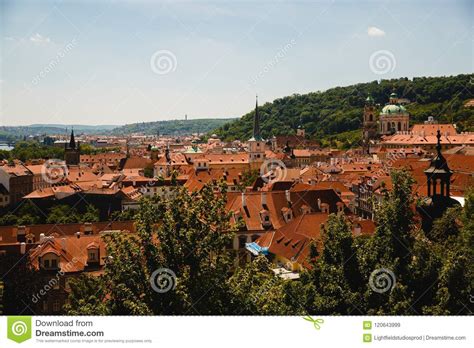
256,122
439,162
72,141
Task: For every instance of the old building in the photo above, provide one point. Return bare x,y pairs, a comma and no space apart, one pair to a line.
72,151
256,144
16,179
393,117
369,131
438,183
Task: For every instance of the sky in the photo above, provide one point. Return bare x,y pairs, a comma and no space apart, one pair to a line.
119,62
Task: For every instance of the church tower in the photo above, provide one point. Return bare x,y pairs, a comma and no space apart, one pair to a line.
438,179
438,172
72,151
256,144
369,124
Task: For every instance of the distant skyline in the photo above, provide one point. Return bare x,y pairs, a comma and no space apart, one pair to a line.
121,62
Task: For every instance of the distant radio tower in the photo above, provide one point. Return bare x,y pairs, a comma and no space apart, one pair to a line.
186,117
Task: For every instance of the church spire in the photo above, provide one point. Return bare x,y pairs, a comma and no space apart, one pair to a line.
256,122
72,141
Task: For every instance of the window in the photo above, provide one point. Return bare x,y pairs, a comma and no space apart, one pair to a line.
93,255
50,261
56,306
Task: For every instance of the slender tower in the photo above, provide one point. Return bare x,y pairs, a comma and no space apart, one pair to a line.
256,144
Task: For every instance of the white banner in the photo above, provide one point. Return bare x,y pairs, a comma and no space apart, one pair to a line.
238,331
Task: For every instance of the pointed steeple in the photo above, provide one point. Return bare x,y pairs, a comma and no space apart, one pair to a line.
256,123
438,171
72,141
439,162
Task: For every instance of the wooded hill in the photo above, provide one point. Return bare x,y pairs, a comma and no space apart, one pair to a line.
334,116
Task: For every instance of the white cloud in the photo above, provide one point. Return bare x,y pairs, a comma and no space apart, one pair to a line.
39,39
375,32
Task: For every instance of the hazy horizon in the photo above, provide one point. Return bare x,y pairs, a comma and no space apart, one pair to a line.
122,62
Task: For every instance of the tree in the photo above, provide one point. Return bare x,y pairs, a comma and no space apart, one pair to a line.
456,275
62,214
387,255
184,238
91,214
334,277
256,290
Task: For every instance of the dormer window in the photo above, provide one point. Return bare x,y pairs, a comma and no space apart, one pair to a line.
50,261
92,253
265,218
287,214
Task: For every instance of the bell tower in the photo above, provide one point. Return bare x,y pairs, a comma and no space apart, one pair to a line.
369,124
438,172
438,178
256,144
72,152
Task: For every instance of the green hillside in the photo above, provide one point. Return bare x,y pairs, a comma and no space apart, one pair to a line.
173,127
12,133
335,115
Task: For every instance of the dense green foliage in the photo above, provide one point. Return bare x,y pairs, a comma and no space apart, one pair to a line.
30,214
27,150
173,127
193,232
427,274
340,109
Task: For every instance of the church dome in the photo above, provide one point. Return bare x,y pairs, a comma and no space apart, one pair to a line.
393,109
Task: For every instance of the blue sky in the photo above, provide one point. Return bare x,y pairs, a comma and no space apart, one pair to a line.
117,62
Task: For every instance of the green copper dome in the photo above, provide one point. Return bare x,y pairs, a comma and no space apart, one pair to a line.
392,109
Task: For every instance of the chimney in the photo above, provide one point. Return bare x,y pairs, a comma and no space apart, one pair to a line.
287,195
264,198
23,248
244,200
63,243
41,237
87,228
319,203
78,234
